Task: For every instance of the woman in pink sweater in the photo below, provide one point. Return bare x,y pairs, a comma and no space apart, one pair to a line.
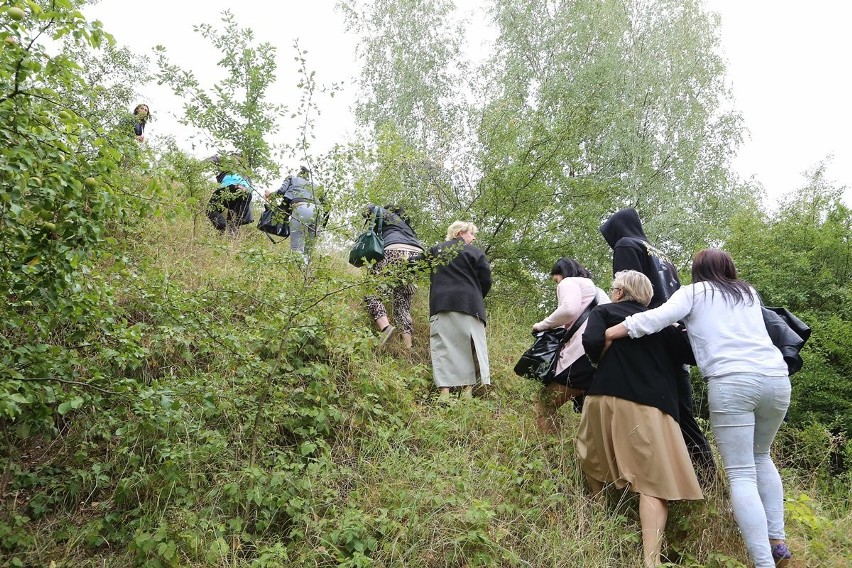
576,294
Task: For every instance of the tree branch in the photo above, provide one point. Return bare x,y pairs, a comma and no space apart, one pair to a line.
66,382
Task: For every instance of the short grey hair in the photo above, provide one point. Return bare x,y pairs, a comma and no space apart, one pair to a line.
459,227
634,286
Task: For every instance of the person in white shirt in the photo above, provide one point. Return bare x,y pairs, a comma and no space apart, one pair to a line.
748,390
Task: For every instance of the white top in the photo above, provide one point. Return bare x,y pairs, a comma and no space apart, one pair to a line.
726,338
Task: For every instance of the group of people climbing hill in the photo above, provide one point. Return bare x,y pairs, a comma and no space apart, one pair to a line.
625,362
460,278
628,359
230,206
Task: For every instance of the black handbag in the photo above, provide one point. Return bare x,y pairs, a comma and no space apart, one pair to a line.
788,333
274,221
539,361
369,246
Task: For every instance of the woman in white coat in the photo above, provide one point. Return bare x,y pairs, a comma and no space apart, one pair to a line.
748,390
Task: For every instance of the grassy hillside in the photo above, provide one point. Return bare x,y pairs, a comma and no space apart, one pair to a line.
249,420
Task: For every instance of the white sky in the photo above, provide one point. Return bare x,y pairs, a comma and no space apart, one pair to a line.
786,64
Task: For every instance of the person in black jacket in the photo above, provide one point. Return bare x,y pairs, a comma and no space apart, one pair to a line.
631,250
629,434
230,205
141,115
460,278
401,244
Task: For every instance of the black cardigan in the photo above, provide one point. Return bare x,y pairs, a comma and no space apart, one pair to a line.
395,231
642,370
460,279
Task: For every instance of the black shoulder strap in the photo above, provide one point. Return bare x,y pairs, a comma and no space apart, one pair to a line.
580,319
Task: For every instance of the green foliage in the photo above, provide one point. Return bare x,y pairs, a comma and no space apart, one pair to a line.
234,114
582,108
800,257
64,200
260,428
170,398
191,175
112,75
809,236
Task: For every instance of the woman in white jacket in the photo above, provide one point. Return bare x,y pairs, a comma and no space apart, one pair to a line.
748,390
574,372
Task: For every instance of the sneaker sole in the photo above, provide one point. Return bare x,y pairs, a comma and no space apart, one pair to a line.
390,335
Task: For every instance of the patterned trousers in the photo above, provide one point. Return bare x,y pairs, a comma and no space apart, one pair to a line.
399,287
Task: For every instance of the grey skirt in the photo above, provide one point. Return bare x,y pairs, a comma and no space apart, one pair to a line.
459,351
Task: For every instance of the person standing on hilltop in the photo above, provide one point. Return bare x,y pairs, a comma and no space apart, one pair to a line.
141,115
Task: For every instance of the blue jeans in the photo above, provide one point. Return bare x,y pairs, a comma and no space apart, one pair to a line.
746,411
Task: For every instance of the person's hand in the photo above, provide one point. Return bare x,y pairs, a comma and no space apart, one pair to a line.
612,333
140,137
607,343
267,193
536,328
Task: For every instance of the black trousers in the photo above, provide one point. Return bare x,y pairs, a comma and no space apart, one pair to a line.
696,443
228,209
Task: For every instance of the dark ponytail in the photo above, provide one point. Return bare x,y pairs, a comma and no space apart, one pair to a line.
570,268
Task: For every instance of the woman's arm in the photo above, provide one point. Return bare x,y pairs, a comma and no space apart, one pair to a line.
570,296
675,309
618,331
593,336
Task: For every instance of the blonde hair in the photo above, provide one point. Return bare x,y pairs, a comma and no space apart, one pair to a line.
634,286
459,227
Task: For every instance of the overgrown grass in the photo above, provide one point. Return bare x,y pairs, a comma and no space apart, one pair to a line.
262,427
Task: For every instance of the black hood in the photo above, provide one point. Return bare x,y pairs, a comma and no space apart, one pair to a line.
622,223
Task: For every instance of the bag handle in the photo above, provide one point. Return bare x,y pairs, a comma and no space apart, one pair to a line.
377,219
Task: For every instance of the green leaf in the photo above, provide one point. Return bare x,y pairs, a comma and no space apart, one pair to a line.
70,405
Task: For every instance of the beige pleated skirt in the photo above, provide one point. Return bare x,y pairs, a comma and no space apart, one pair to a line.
459,351
626,443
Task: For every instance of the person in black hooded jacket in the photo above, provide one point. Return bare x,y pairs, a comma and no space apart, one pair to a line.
631,250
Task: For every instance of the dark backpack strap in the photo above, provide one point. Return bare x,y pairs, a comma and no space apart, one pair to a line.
581,319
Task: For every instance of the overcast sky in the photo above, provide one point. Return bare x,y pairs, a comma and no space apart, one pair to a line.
787,64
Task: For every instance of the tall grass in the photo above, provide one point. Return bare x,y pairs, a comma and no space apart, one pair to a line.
265,428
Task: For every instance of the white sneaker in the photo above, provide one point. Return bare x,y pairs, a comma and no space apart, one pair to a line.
388,334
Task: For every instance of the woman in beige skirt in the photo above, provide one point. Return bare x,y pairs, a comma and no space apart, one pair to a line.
629,435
